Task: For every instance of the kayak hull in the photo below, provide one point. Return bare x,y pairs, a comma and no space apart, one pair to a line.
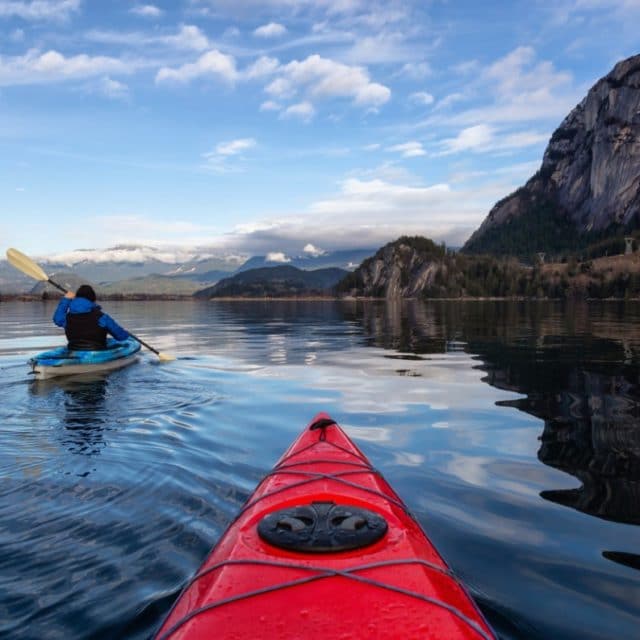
394,586
63,362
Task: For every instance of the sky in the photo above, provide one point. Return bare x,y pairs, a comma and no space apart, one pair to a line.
283,127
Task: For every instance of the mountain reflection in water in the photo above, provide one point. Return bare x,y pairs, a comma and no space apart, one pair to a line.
580,376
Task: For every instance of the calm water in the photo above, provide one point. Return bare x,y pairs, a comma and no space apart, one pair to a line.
511,430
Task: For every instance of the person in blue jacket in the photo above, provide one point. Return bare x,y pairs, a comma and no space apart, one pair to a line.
85,325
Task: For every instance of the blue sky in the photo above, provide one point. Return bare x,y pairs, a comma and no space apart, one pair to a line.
247,127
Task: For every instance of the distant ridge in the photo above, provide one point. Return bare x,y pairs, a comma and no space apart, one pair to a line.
347,259
140,270
280,281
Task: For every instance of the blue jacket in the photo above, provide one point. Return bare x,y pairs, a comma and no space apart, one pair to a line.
82,305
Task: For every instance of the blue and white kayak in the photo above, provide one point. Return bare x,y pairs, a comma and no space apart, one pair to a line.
63,362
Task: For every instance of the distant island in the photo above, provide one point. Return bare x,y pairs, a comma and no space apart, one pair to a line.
274,282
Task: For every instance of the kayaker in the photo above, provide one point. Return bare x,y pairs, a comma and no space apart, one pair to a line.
85,325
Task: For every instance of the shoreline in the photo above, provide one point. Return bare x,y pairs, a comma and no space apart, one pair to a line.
185,298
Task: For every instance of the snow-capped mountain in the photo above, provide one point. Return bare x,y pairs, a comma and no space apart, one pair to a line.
347,259
136,269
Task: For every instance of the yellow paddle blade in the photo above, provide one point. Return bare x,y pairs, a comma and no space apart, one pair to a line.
166,357
25,264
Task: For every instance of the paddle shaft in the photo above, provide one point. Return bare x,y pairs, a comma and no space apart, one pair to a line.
61,288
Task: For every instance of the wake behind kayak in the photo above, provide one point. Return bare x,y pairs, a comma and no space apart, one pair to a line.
324,548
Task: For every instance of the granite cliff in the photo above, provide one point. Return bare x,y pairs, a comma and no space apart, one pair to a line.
400,269
588,187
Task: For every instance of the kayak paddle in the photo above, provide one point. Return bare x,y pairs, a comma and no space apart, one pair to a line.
25,264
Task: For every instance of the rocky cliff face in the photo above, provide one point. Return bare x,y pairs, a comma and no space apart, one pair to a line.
401,269
590,173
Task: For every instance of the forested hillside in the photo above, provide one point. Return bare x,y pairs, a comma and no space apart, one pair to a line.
415,267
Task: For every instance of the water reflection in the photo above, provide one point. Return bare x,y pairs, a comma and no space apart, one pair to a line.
594,436
80,403
631,560
172,452
577,367
579,374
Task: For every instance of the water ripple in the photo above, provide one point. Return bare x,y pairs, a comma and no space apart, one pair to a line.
509,430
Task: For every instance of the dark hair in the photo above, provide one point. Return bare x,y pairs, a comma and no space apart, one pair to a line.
86,291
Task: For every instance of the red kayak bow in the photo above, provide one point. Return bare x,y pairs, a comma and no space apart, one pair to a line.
324,549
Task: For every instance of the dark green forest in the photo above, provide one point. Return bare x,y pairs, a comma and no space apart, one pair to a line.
461,275
541,227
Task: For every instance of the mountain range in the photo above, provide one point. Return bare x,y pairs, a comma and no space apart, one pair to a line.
140,270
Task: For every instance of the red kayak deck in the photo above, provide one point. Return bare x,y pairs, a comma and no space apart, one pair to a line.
304,582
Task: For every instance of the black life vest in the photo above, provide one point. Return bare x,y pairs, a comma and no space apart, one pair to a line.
83,331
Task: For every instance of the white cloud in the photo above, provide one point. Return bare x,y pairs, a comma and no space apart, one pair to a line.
416,70
138,253
331,8
234,147
210,64
113,89
372,207
507,71
302,110
313,251
322,78
280,88
277,256
227,156
255,227
464,68
187,38
621,7
522,139
39,9
484,138
42,68
372,94
391,172
164,239
520,89
270,105
369,213
422,98
470,138
409,149
263,66
383,48
450,100
364,213
357,195
146,11
271,30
